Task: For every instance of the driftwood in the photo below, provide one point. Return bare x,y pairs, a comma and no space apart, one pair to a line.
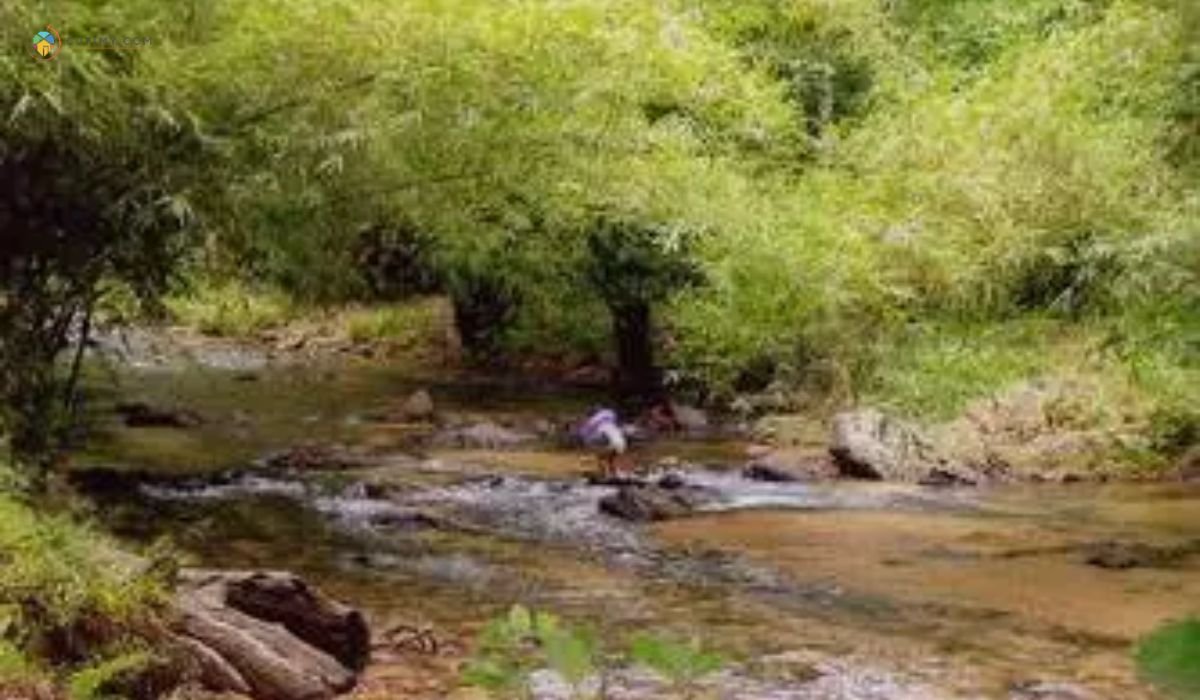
268,635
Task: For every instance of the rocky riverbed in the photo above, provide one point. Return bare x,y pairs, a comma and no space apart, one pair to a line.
434,521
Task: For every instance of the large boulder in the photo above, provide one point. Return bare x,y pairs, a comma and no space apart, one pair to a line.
867,444
268,635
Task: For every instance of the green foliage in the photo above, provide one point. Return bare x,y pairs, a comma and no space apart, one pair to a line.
57,574
75,612
858,184
401,324
17,671
231,309
513,646
683,663
89,682
96,168
1170,659
934,371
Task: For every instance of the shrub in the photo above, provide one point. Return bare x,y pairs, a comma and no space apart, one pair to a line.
231,309
1169,658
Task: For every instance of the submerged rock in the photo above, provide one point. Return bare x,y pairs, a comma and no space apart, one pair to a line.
418,406
789,465
1132,555
1041,690
139,414
315,458
483,436
268,635
646,503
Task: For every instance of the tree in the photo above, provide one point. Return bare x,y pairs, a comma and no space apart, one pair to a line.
97,171
632,268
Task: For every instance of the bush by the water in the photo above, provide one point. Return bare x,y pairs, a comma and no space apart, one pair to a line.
1170,659
77,615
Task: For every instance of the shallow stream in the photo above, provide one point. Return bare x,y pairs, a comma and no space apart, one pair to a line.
839,590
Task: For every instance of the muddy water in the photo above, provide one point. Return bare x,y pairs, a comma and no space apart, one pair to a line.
826,591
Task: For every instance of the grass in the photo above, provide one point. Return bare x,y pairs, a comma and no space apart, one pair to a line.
399,324
231,309
934,371
1131,379
73,607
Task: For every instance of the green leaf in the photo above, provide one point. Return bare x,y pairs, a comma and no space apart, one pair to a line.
88,682
570,653
1169,658
680,662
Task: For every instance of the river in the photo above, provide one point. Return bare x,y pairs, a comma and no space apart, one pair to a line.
835,590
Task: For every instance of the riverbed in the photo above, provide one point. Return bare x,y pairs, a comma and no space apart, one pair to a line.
832,590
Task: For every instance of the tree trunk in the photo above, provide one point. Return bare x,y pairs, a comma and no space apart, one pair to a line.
637,377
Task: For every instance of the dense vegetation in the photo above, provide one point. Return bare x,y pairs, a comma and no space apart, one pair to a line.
78,615
918,202
915,203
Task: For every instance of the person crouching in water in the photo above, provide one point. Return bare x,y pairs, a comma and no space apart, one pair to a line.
602,431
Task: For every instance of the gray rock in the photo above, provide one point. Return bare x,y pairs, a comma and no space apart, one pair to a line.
867,444
789,465
651,503
689,418
485,436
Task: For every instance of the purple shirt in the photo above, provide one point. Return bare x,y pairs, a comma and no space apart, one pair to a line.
592,429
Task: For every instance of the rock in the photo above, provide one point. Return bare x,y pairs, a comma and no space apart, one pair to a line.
415,520
1188,468
761,472
947,477
615,480
867,444
1133,555
138,414
268,635
651,503
1042,690
484,436
671,481
787,465
689,419
757,451
418,406
314,458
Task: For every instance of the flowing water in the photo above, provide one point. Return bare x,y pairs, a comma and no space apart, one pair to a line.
840,590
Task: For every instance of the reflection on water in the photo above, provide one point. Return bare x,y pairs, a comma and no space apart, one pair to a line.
974,592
